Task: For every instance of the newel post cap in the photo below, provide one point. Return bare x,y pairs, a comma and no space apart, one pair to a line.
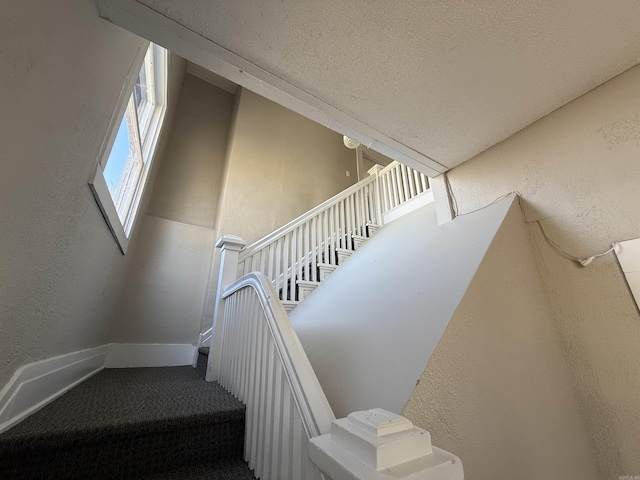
230,242
380,445
375,169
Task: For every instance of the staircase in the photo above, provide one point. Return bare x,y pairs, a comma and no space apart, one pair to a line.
299,256
168,423
138,423
328,263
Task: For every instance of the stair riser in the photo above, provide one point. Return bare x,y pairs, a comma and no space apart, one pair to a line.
304,292
122,455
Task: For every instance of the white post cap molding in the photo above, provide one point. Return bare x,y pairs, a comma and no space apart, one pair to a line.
230,242
380,445
375,169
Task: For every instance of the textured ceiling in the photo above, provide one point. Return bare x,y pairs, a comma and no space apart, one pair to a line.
446,78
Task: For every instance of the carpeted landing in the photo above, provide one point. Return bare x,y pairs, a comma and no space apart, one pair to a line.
135,423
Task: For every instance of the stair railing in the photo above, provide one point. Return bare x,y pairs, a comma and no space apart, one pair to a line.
263,364
294,250
398,184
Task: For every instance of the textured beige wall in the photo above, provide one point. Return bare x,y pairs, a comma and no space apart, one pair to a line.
167,274
497,391
164,290
188,183
280,165
60,268
578,169
267,154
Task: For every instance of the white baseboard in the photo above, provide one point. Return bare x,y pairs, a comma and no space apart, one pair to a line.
129,355
409,206
36,384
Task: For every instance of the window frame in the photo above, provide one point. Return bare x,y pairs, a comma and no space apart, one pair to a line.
149,127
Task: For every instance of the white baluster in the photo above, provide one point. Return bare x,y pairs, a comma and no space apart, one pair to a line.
251,376
298,456
416,181
269,394
341,227
262,402
286,250
242,371
423,180
276,434
278,266
287,433
349,226
357,214
252,407
302,254
307,250
314,245
403,184
395,185
390,190
412,187
319,241
329,235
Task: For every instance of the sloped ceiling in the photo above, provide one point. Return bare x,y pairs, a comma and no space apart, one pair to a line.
447,78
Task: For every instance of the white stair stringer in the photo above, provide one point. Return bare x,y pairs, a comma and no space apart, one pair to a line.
289,305
373,229
358,241
305,287
343,255
325,269
390,305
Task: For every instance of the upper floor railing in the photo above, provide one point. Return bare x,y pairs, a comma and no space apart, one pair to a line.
292,253
398,184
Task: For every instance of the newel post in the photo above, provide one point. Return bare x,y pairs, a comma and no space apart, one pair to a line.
377,445
375,170
230,246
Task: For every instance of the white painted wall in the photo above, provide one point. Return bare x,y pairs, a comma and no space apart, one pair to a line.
371,327
60,268
579,170
497,390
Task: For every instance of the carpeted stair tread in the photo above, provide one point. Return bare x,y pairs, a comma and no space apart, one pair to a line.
233,469
127,423
116,398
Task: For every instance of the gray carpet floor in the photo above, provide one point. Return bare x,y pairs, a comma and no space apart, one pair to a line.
126,396
223,470
157,423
